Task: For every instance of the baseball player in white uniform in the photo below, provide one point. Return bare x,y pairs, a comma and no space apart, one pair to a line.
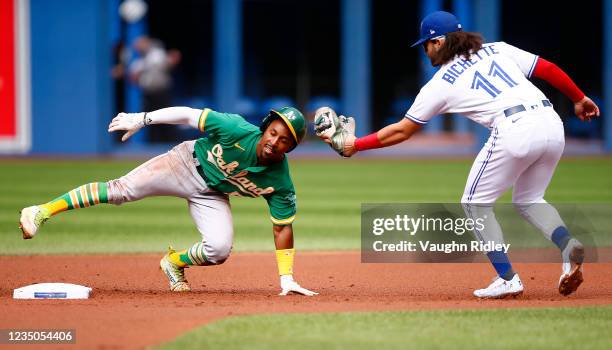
488,83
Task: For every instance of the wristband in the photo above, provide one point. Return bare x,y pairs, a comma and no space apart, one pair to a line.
368,142
144,119
284,259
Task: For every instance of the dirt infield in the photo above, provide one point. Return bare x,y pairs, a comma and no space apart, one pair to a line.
131,307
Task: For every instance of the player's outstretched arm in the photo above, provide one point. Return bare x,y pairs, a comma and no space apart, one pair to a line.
388,136
132,122
283,240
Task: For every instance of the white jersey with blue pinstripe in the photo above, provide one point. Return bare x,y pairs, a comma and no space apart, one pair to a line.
494,79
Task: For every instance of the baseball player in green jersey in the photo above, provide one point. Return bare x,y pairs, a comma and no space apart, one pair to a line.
236,158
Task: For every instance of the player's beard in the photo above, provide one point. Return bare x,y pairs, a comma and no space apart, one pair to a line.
264,158
435,59
434,56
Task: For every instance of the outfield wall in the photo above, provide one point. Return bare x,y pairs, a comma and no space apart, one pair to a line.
61,95
71,76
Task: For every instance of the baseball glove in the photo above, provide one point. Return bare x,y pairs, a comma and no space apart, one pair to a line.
333,129
325,123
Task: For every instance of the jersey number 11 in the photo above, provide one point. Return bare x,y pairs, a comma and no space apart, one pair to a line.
495,71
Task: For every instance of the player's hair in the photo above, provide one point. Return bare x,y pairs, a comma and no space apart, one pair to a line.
459,43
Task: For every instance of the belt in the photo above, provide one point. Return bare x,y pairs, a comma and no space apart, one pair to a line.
521,108
199,168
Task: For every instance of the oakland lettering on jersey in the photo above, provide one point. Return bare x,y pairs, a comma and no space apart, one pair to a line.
461,66
217,154
246,186
250,185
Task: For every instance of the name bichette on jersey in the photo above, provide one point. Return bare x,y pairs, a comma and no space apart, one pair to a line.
460,66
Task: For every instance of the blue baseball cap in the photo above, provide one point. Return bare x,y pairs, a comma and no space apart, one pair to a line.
437,24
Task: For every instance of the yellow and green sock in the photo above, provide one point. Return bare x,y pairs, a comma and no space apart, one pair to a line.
192,256
81,197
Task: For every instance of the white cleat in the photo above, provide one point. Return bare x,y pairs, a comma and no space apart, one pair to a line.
31,220
571,277
500,288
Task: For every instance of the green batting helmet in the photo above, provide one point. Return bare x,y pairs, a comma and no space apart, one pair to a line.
293,118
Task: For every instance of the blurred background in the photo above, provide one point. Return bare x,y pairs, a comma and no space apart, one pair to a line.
68,66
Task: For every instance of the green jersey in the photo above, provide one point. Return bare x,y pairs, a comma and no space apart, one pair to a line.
228,156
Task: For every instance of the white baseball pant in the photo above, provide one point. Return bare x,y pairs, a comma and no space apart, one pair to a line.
174,174
522,152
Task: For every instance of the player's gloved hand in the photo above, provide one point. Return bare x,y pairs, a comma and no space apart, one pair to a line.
586,109
347,123
131,122
289,285
325,123
342,141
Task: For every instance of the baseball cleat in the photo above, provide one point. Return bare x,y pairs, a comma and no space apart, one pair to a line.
500,288
32,219
571,278
175,274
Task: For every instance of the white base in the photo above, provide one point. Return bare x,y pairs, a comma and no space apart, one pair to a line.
52,291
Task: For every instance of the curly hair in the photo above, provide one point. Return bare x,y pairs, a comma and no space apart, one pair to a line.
459,43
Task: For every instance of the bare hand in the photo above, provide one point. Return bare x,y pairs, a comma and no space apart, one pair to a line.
586,109
349,146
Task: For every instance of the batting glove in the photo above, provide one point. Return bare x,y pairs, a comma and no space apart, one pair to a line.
289,285
131,122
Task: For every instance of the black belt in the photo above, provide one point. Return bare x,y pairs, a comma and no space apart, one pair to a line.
520,108
199,168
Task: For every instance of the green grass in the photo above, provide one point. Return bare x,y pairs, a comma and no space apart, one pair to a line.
329,196
559,328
